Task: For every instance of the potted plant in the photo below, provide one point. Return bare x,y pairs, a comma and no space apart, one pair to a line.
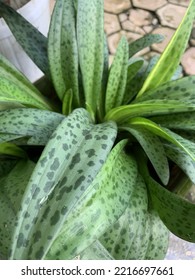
85,169
38,14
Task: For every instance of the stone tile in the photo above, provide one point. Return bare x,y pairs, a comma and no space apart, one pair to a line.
148,28
140,17
180,2
168,33
151,5
130,26
111,23
171,15
123,17
188,61
116,6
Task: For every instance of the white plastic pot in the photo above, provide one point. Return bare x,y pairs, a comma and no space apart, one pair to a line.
38,13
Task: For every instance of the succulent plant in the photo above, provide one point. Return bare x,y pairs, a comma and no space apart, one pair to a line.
86,163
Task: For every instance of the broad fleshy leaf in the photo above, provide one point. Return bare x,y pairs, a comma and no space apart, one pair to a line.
15,88
63,51
117,77
37,125
164,70
71,159
90,36
181,89
148,108
99,208
32,41
95,252
134,66
144,42
154,149
11,191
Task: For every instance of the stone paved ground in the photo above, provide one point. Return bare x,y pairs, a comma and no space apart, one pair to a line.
135,18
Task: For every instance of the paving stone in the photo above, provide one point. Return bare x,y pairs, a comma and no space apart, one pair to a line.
151,5
148,28
140,17
111,23
123,17
171,15
180,2
130,26
168,33
116,6
188,61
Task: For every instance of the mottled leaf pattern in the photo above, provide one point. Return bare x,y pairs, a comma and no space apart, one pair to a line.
32,41
144,42
148,108
100,207
154,149
134,66
11,192
90,36
37,125
95,252
164,70
117,77
14,87
65,169
62,50
176,213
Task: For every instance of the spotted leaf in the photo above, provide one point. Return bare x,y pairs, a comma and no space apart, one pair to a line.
117,77
98,208
164,70
90,36
144,42
95,252
63,50
15,88
71,159
37,125
11,191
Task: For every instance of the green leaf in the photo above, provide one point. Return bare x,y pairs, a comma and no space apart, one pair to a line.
180,121
96,251
63,51
90,36
134,66
11,150
182,159
176,213
184,144
119,238
15,88
175,90
159,238
100,207
144,42
6,166
11,192
67,102
32,41
117,77
70,161
37,125
154,149
148,108
164,70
